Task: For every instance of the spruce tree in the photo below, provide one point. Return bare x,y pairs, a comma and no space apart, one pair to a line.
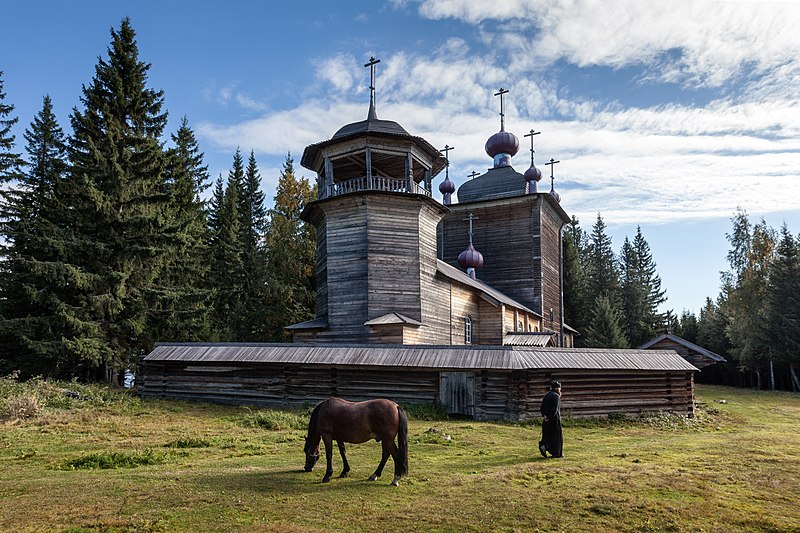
252,216
605,327
227,273
183,306
118,199
641,291
602,272
711,326
34,234
576,310
688,326
780,328
291,249
9,160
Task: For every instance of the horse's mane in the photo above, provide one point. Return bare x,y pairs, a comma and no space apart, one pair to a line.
312,426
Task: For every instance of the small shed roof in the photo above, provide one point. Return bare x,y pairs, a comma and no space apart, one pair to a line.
316,323
540,339
423,356
683,342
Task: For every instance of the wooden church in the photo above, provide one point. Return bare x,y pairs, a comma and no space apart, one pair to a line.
421,301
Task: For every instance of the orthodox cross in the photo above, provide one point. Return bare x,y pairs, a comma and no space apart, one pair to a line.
500,93
470,218
552,165
531,134
472,176
371,65
446,149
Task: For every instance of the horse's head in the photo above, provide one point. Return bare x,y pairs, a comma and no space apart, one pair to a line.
312,454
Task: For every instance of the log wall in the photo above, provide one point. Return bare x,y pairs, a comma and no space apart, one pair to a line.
498,394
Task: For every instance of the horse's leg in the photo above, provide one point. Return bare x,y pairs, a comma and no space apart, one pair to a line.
346,468
328,456
396,458
384,457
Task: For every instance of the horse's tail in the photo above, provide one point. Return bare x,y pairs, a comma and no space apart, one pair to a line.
402,441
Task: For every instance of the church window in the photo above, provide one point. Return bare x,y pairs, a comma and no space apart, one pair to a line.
468,330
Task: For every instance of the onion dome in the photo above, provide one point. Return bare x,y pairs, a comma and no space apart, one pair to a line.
533,174
502,142
553,193
470,258
447,186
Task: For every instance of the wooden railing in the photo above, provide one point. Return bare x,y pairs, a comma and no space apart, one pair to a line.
375,183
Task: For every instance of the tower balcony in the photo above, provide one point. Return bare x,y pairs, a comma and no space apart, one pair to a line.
372,183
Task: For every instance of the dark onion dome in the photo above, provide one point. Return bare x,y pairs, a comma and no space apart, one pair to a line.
447,186
502,142
470,258
533,174
555,195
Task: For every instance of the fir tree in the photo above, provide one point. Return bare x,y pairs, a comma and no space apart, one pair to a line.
605,328
117,193
688,326
9,160
780,328
226,264
291,248
602,272
641,291
575,283
252,230
184,300
711,327
30,326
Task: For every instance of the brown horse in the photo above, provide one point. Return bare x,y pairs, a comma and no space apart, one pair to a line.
357,422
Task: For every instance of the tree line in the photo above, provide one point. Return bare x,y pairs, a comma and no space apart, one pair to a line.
108,245
613,300
755,319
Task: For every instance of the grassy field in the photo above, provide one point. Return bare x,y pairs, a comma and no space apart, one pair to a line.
107,461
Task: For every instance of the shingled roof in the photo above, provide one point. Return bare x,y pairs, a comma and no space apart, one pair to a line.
423,356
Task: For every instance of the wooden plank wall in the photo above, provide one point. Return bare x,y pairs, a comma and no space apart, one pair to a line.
695,358
434,292
498,394
551,283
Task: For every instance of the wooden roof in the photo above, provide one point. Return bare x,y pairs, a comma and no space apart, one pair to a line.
453,273
391,319
423,356
540,339
683,342
316,323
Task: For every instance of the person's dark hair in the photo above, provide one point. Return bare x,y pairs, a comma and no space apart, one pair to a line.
555,385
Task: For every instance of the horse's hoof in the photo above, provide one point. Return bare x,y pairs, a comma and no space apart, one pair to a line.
394,483
344,474
326,480
373,477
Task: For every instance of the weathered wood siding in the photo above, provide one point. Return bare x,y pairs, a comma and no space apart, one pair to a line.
463,304
519,238
513,395
490,323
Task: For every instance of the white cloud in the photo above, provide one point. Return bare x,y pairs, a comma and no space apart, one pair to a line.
698,43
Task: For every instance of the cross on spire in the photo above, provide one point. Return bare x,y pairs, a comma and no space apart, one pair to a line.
500,93
531,134
447,149
371,64
470,218
472,176
552,165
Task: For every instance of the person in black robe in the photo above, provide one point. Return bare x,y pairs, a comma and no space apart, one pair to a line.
552,438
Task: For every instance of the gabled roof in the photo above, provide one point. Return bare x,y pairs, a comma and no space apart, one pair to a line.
538,338
317,323
683,342
419,356
392,318
455,274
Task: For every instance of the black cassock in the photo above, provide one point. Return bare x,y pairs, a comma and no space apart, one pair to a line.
552,439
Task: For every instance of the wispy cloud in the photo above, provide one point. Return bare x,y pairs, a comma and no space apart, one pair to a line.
663,162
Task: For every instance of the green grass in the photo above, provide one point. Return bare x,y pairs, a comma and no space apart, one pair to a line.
736,467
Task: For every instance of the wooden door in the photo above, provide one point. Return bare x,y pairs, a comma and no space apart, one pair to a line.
457,392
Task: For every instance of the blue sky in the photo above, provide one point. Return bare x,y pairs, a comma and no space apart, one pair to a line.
665,114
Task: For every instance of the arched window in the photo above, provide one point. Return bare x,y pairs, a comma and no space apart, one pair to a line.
468,330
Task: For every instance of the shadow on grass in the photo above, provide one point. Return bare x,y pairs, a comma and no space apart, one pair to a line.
286,482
